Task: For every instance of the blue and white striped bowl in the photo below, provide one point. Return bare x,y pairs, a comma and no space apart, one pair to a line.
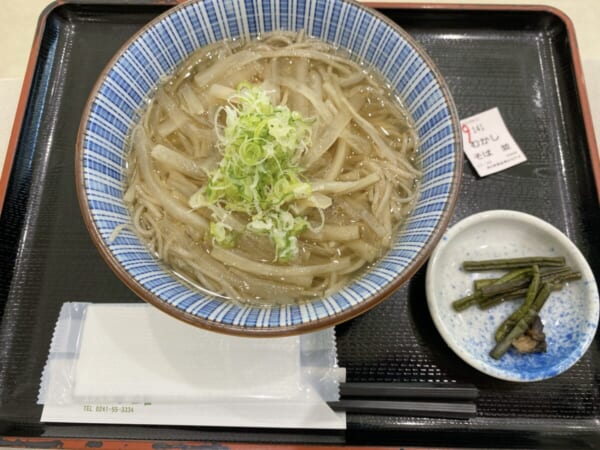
125,85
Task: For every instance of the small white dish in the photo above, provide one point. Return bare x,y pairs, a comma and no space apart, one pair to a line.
570,316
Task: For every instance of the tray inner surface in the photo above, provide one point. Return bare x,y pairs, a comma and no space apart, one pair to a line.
517,61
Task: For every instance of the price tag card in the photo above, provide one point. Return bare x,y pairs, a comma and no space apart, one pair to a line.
488,144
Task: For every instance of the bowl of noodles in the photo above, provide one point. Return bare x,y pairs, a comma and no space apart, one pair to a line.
268,167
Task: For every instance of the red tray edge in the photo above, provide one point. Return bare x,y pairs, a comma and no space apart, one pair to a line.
76,444
113,444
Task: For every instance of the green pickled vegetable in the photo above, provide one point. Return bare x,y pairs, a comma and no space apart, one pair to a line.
493,301
478,284
465,302
503,288
531,278
514,275
519,329
513,263
530,296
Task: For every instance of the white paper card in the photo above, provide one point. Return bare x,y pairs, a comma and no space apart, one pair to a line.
488,144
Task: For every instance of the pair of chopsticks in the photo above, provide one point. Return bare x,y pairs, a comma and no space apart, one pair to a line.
451,401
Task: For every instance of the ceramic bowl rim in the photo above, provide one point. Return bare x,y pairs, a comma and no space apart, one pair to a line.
284,330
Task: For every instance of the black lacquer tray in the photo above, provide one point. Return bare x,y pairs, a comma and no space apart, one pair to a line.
522,60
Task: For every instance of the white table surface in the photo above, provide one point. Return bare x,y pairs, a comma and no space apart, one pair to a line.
19,18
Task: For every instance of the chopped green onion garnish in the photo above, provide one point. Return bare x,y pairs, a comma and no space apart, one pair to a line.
260,173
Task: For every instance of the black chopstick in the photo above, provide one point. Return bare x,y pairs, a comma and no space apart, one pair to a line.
448,410
436,391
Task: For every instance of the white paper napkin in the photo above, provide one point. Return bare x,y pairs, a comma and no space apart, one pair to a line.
133,364
137,353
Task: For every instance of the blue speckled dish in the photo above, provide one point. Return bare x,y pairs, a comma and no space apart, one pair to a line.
157,49
570,316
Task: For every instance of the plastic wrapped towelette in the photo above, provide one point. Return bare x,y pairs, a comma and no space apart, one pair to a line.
130,363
